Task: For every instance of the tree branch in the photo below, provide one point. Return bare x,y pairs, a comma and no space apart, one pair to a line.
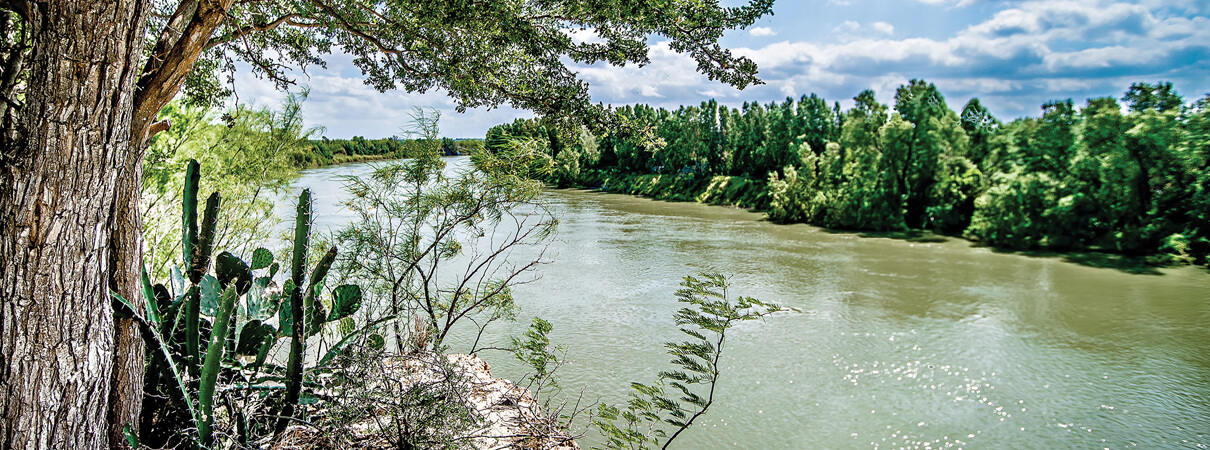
169,68
20,7
242,31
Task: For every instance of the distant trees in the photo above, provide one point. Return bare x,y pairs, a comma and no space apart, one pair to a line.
1099,177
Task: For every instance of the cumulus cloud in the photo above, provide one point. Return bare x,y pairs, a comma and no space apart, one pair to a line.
1014,59
762,31
847,25
345,106
849,30
670,75
1028,49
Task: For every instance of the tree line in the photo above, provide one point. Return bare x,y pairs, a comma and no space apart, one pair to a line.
1126,175
335,149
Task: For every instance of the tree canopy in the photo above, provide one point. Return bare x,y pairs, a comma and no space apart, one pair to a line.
482,53
83,81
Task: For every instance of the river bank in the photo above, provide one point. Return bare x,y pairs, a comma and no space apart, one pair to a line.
509,415
895,331
719,190
753,195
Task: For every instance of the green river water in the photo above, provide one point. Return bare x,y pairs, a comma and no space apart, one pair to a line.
901,342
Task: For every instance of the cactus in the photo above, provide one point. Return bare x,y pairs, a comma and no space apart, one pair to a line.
229,268
192,331
214,356
199,260
261,258
302,240
313,316
189,211
236,331
346,300
253,336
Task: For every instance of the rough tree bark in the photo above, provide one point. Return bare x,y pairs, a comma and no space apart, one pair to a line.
69,228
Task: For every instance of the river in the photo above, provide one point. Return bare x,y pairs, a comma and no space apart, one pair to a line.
924,342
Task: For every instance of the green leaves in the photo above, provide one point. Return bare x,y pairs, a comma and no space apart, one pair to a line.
346,300
534,350
708,316
374,339
414,219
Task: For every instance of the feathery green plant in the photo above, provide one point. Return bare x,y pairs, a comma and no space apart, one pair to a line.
709,313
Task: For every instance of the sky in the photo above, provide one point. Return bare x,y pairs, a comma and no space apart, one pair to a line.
1013,55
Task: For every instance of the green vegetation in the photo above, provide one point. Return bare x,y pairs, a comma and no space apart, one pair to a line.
433,249
708,315
442,246
213,379
1091,178
216,340
252,154
357,149
207,331
84,134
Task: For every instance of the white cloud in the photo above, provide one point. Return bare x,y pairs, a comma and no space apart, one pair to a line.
670,75
346,107
1034,38
849,29
1026,51
847,25
584,35
762,31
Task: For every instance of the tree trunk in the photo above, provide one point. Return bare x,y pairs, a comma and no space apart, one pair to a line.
125,271
69,231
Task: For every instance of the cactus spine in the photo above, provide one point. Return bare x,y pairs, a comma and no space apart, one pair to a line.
302,241
214,356
199,261
189,211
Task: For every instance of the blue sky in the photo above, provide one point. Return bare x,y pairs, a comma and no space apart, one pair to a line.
1012,55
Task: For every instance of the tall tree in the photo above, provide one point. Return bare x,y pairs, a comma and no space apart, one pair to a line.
1160,97
921,104
980,126
96,72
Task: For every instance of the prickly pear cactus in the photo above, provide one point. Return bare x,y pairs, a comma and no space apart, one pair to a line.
261,258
